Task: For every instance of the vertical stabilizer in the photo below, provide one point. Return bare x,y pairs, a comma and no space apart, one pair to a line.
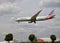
52,12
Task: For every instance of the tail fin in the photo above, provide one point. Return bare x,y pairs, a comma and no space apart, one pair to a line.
51,15
52,12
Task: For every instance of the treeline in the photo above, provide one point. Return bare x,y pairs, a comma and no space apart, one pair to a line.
32,38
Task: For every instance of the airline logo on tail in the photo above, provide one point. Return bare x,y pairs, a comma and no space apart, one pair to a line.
51,15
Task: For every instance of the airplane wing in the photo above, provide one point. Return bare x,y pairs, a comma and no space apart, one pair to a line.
34,16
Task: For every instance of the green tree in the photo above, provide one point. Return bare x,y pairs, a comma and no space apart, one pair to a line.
53,38
35,40
9,37
32,37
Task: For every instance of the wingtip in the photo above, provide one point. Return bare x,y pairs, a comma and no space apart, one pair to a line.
40,10
53,9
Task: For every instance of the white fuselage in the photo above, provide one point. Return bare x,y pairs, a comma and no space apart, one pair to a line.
21,19
28,18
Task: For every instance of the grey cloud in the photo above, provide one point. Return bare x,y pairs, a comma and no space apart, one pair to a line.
9,11
1,38
8,8
11,1
52,5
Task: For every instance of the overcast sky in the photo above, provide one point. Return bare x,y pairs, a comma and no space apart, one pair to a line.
12,9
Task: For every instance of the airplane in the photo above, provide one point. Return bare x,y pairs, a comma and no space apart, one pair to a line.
34,18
